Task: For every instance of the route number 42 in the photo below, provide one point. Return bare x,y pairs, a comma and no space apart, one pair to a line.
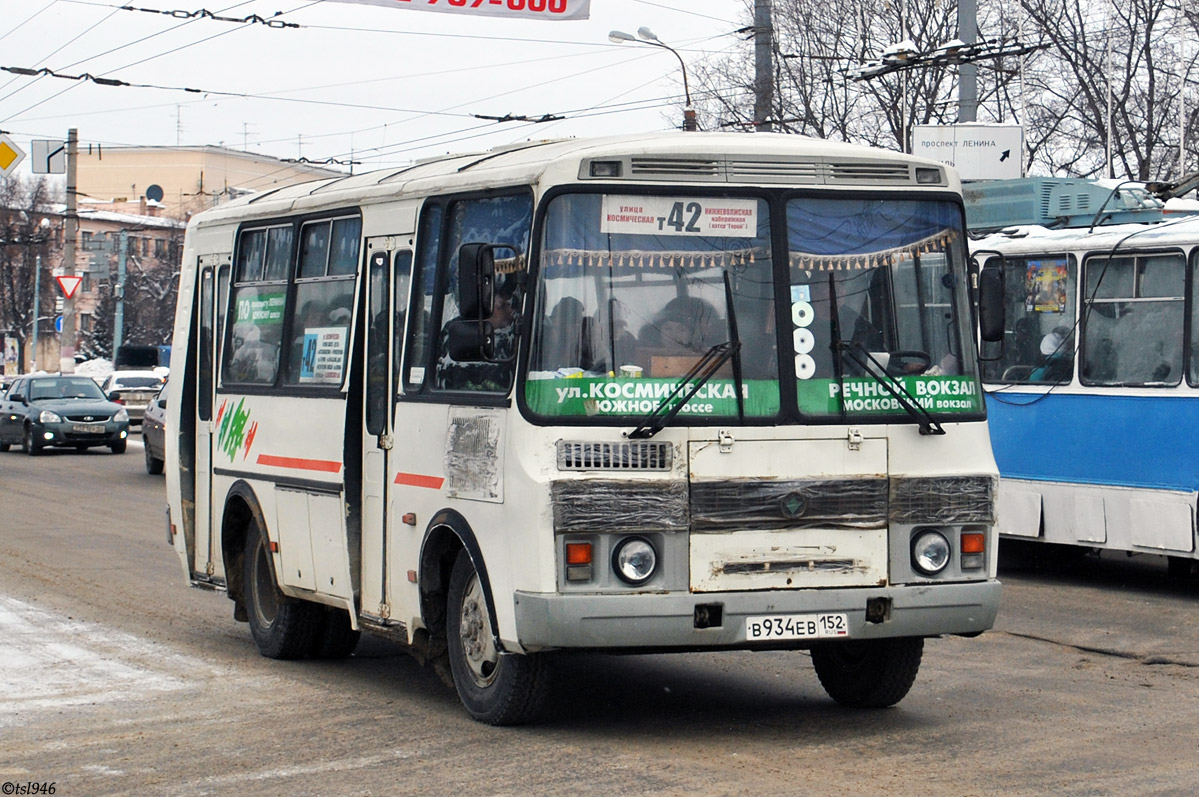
682,218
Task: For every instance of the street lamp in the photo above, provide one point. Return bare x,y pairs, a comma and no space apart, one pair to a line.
648,37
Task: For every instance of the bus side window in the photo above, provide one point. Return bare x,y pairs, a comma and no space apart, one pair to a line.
320,329
505,221
259,295
428,250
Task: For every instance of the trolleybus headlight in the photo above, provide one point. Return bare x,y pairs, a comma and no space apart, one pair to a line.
930,552
634,560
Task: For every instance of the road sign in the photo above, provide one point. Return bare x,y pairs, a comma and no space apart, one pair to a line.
10,155
49,156
69,285
58,325
977,151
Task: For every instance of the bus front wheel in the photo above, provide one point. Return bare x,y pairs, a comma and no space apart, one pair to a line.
868,673
496,688
282,627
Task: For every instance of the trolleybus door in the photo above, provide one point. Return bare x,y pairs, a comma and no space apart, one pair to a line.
386,296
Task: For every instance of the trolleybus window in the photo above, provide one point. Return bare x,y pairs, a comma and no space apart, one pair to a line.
1038,346
1133,329
1193,357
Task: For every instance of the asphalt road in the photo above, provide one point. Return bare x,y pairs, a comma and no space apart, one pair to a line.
116,678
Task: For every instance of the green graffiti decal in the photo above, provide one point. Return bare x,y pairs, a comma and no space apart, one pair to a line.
233,430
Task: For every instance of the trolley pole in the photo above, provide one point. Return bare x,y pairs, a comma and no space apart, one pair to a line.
67,349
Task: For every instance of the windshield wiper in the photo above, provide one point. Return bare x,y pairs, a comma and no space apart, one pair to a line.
735,339
700,373
854,350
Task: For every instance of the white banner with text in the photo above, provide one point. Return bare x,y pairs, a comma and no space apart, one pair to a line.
556,10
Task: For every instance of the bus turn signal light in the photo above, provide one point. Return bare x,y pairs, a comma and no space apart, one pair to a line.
578,561
974,543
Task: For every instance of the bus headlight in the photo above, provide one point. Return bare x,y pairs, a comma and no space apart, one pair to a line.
634,560
930,552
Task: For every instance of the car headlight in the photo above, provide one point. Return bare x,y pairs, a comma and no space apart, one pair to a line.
930,552
122,416
45,416
634,560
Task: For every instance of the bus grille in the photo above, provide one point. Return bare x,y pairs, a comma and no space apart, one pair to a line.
767,504
945,499
631,455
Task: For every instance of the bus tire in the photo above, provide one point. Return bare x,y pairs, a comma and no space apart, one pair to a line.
868,673
495,688
335,639
282,627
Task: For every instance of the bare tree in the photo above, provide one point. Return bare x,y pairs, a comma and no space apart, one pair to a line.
1144,50
1133,49
26,232
148,314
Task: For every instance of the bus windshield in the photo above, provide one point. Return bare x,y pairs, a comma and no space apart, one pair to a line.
632,293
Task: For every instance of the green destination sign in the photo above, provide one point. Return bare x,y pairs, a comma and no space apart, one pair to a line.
865,396
586,396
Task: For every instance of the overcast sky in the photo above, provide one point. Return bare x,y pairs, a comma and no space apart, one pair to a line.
379,85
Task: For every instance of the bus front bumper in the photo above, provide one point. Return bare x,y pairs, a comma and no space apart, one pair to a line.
662,621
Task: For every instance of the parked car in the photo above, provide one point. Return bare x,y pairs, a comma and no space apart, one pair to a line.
63,411
134,389
154,432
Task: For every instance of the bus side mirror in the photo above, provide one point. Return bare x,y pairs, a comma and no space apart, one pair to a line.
990,304
476,281
470,341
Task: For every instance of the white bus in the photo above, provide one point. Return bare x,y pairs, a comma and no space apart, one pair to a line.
589,395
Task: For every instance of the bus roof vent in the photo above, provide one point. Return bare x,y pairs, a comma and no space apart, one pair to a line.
677,168
758,171
869,172
626,455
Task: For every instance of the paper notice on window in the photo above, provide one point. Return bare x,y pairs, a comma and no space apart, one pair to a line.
324,357
695,216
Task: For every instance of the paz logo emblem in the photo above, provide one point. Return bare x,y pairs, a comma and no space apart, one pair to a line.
792,505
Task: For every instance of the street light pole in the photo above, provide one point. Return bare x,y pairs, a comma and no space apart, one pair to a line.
648,37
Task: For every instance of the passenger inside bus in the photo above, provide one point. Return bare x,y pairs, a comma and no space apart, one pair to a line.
1057,352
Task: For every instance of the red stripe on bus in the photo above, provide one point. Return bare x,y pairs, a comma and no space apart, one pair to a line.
322,465
417,480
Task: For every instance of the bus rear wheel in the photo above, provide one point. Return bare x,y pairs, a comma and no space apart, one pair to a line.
282,627
868,673
496,688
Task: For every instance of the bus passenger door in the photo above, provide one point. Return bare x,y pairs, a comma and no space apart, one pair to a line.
386,301
214,291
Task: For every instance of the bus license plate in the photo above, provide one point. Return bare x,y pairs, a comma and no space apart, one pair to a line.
88,428
795,626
